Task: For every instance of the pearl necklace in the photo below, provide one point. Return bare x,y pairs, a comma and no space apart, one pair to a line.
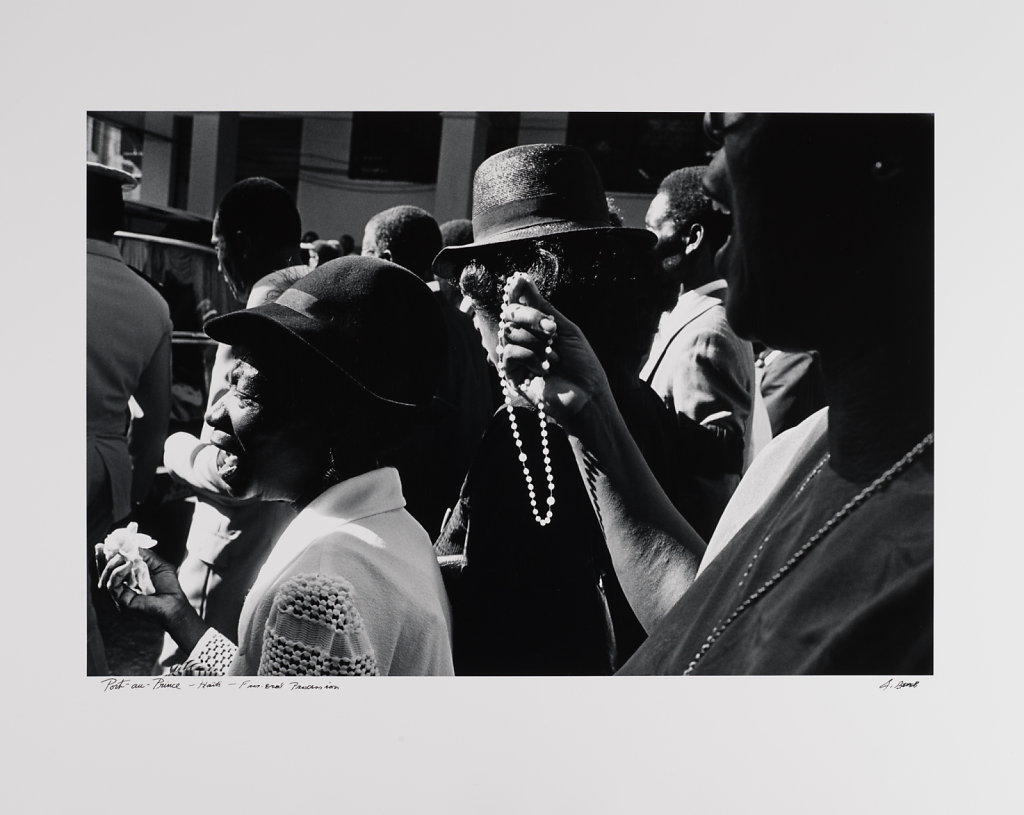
844,512
509,391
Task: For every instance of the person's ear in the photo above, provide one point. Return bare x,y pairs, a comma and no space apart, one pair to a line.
384,254
694,238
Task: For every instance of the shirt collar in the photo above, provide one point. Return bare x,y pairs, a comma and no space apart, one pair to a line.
712,287
361,496
371,493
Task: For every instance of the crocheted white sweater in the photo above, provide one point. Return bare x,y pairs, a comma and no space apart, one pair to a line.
314,629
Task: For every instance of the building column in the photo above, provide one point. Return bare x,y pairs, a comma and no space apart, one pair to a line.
463,142
543,128
155,187
214,159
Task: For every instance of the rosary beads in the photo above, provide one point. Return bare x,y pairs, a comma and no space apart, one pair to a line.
509,391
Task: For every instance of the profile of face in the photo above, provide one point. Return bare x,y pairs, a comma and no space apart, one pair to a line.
672,236
371,248
229,259
271,448
800,209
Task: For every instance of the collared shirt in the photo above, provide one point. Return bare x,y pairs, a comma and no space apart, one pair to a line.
356,533
715,288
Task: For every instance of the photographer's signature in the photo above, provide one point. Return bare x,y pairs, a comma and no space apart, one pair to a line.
898,685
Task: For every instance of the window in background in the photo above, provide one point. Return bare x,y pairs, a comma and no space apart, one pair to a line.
395,146
269,146
116,145
634,151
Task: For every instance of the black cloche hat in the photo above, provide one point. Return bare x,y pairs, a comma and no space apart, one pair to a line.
372,321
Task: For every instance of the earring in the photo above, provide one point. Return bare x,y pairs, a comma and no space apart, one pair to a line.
883,169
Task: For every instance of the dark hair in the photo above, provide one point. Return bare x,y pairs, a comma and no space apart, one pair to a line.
687,202
347,244
457,232
262,209
411,235
612,288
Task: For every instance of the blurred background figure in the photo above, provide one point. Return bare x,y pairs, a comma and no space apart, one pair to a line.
434,463
128,359
323,251
405,232
697,364
306,247
614,213
256,234
347,245
457,232
792,385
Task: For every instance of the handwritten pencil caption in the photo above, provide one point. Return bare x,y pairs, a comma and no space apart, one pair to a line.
180,683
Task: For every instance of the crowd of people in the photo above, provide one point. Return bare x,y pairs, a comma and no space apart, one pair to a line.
540,442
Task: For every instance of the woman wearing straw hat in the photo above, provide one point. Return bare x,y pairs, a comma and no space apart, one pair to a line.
535,591
329,376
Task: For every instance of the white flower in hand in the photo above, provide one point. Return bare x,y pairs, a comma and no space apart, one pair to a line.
127,542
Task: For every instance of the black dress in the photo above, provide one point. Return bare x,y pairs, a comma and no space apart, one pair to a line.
527,599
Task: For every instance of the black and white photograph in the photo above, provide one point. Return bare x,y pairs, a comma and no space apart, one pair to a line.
517,409
593,416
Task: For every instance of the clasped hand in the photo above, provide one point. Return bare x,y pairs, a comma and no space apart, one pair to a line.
168,605
574,375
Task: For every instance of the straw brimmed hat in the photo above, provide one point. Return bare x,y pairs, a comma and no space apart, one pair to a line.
534,191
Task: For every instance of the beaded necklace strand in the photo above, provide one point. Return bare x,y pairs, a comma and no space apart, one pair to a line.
509,391
844,512
790,501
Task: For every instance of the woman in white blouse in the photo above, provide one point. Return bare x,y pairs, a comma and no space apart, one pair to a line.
329,376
